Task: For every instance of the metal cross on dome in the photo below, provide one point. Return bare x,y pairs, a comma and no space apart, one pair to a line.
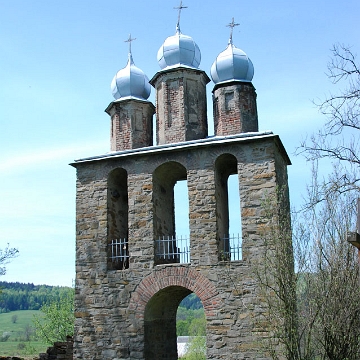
180,7
231,26
130,40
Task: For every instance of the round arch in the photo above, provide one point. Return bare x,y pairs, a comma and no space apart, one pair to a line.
177,275
156,299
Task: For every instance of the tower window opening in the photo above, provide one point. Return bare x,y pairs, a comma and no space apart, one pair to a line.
228,212
117,213
119,253
173,249
171,214
234,239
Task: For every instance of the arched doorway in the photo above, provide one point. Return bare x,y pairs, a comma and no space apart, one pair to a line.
156,299
160,323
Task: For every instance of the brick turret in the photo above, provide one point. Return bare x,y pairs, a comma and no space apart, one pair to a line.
131,124
180,105
235,109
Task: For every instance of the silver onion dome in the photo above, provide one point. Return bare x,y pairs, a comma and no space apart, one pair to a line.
232,64
179,49
130,82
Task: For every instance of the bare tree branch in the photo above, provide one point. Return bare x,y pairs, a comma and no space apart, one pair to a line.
339,138
5,256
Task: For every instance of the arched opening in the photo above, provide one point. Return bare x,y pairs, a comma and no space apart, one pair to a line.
160,323
169,248
235,229
191,327
228,217
182,228
117,220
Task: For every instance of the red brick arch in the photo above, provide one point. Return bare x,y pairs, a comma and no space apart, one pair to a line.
175,276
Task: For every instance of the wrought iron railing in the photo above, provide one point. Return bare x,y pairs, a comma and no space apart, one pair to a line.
232,247
118,251
170,249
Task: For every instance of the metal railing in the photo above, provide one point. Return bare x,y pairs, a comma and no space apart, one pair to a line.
119,254
232,247
170,249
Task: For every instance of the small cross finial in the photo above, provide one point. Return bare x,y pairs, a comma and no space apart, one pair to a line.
130,40
180,7
231,26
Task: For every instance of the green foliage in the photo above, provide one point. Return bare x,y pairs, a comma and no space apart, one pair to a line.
196,349
186,318
198,327
18,296
58,319
191,322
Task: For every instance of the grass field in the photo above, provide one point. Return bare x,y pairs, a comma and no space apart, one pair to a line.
22,340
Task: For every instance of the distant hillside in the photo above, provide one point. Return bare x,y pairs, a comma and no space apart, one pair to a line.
191,302
19,296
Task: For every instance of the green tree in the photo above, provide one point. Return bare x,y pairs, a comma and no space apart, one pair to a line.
198,327
58,319
196,348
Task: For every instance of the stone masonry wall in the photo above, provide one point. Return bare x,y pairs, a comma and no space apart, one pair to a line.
122,314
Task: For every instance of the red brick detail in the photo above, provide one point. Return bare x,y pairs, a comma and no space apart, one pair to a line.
175,276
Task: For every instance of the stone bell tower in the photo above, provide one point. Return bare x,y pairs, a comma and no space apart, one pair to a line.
132,268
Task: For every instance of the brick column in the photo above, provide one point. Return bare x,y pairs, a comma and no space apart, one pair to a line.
131,124
235,110
180,105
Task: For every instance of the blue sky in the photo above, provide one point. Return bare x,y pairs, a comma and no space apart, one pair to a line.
57,61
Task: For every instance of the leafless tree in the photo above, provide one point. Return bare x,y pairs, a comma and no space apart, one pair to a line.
339,137
314,310
277,278
28,332
332,278
5,256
